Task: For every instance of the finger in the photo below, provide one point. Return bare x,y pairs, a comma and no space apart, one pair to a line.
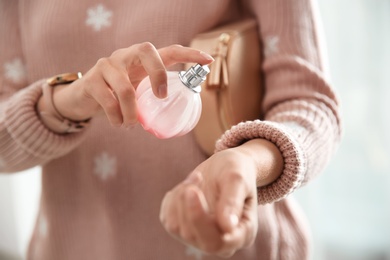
178,54
169,214
172,215
241,236
205,230
154,67
181,230
103,95
194,209
229,208
245,232
187,233
194,177
119,82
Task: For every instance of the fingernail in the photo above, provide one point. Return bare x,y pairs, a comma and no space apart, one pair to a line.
207,56
233,220
227,237
162,91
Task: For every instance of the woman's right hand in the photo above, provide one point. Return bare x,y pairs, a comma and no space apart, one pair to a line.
110,85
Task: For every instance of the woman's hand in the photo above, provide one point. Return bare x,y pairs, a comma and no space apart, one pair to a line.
215,208
110,85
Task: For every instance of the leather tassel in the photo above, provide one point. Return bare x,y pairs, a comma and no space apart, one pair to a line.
214,77
225,73
218,69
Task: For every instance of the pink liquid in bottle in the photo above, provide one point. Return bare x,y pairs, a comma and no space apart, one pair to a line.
179,112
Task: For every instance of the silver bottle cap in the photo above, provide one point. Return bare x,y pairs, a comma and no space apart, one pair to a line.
194,77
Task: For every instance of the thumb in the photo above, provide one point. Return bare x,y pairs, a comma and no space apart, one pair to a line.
231,202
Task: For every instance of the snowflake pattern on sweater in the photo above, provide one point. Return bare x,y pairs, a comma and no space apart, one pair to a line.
98,17
15,71
105,166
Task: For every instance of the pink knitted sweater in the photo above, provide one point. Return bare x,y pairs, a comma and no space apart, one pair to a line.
102,188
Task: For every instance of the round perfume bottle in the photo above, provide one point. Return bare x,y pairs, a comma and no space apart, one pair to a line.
179,112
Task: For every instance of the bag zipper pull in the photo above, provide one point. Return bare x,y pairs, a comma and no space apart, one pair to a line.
218,69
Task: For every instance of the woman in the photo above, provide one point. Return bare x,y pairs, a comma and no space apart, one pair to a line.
106,183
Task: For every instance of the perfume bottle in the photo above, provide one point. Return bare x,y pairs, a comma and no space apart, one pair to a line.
179,112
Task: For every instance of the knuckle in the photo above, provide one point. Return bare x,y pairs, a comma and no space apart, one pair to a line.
111,105
118,52
146,47
171,227
175,47
161,73
102,63
125,92
172,50
235,178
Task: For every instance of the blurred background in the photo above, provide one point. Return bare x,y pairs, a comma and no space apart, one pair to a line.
348,206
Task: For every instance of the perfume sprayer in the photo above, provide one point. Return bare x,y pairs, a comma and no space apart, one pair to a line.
179,112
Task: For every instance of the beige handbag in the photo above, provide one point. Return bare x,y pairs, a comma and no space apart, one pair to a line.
233,90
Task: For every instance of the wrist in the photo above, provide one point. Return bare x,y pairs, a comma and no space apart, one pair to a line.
48,111
267,157
69,102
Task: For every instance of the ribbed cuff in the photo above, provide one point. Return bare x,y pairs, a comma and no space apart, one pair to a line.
27,130
293,156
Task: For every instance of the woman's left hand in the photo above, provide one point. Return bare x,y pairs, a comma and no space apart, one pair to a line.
215,208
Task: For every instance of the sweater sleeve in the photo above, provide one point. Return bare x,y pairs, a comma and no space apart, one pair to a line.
301,108
24,140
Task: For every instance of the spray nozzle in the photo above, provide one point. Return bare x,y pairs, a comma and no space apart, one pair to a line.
194,76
